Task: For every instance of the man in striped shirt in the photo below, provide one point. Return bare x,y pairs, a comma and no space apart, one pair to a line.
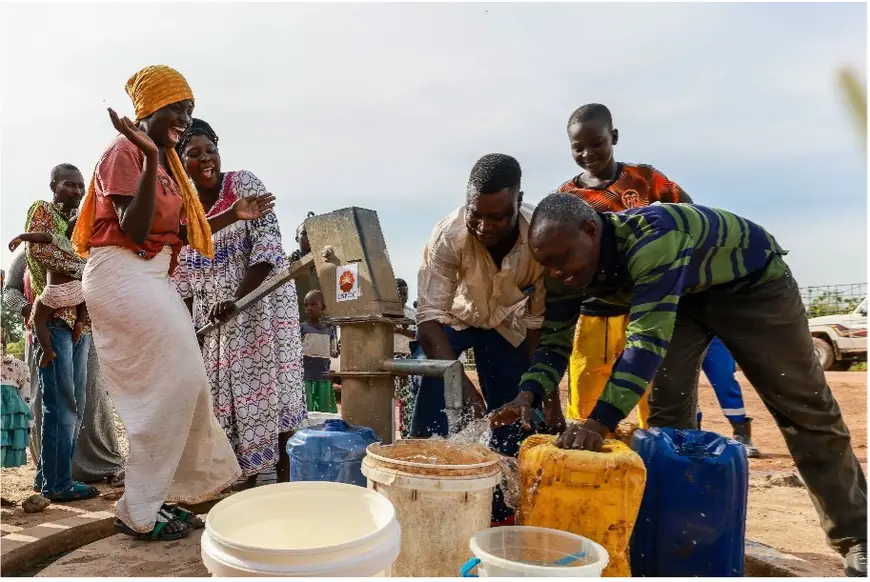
687,274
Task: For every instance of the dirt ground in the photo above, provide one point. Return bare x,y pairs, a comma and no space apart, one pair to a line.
780,512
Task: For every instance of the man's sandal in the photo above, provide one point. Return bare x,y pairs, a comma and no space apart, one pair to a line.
157,534
186,517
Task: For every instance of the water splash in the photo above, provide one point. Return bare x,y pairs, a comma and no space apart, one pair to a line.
479,432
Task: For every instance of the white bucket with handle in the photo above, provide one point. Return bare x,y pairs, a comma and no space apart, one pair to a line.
533,552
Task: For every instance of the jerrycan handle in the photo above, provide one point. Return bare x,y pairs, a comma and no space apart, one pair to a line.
470,565
336,425
694,443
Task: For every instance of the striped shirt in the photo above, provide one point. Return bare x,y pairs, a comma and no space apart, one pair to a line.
650,257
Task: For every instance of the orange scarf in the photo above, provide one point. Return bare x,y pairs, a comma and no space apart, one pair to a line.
151,89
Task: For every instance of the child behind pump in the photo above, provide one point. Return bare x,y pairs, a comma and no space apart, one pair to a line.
61,291
319,345
608,186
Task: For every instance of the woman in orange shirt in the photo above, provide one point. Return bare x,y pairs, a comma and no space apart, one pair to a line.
130,224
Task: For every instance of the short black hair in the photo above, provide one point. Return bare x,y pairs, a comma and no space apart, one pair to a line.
562,208
60,168
589,112
316,293
401,283
495,172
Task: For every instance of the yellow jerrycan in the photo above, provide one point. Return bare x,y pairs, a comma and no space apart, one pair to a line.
596,495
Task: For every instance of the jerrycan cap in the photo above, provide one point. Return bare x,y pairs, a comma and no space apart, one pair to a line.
335,425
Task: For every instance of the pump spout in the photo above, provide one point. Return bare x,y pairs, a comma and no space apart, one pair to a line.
450,370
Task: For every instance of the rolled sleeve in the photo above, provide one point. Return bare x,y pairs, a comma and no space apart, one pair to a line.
437,280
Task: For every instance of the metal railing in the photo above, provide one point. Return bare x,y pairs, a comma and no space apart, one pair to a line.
833,299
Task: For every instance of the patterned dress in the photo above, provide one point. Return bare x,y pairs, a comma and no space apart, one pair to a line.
15,415
254,362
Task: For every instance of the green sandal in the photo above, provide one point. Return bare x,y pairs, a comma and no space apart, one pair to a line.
157,534
186,517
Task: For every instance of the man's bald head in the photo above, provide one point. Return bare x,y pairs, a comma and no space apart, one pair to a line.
559,209
565,237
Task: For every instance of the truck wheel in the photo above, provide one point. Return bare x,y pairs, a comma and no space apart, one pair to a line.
824,352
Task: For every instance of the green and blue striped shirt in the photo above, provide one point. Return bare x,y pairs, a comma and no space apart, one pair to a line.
650,257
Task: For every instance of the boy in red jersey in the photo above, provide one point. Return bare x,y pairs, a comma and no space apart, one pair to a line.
611,186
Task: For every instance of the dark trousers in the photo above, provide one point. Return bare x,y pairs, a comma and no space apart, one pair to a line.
766,331
499,369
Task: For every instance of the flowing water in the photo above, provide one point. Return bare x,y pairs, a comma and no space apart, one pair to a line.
478,432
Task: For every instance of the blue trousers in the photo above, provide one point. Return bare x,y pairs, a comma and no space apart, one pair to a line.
62,384
499,369
719,367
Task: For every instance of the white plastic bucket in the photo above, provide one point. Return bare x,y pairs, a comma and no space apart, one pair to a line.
302,529
442,494
534,552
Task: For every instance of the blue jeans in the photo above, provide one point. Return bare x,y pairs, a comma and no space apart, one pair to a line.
499,369
719,367
63,384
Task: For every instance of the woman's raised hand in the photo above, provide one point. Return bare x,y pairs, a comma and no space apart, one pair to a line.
132,132
253,207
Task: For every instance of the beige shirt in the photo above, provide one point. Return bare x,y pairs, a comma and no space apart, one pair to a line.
460,285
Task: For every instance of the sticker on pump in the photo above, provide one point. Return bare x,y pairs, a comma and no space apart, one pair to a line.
347,282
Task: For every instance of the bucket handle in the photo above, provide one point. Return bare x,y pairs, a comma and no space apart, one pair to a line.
470,565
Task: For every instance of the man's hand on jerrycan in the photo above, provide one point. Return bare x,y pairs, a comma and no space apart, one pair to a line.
586,436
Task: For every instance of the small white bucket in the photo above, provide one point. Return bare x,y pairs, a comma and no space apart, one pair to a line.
302,529
533,552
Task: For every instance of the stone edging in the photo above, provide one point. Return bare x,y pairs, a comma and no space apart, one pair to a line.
762,561
26,548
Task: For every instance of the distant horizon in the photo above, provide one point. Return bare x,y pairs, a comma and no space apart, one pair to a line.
387,106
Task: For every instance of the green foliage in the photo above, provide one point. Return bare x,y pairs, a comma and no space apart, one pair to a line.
16,349
831,303
858,367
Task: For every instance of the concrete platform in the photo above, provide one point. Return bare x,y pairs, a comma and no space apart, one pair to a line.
123,557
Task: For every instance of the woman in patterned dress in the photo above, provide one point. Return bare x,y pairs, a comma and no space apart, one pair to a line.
254,361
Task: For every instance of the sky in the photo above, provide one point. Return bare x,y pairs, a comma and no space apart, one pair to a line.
388,106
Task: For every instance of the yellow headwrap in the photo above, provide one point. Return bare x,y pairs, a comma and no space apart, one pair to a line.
151,89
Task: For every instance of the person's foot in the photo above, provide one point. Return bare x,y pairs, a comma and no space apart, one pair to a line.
856,561
743,435
116,480
245,484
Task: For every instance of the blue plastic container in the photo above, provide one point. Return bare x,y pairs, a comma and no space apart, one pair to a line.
692,520
332,452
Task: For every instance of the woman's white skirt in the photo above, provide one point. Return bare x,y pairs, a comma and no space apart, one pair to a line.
151,362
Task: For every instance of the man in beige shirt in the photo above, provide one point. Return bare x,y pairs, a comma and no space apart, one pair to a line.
480,289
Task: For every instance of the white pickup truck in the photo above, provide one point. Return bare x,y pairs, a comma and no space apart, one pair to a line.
841,340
